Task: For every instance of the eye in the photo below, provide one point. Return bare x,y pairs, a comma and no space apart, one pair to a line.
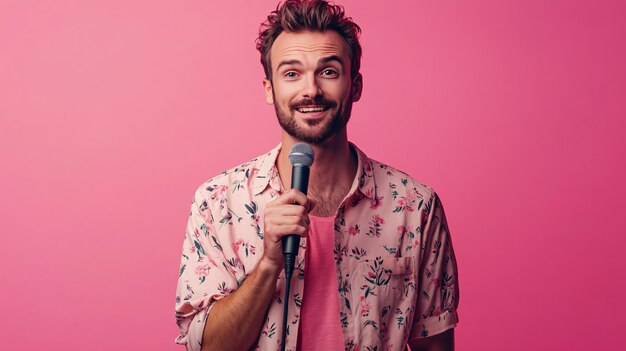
329,72
291,74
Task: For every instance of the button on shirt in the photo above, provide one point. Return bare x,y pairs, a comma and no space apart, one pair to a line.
396,270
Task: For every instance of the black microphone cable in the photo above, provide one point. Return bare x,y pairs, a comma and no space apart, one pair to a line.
289,265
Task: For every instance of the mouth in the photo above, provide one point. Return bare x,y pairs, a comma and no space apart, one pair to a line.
312,109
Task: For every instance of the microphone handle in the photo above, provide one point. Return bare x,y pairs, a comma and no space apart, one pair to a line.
300,178
300,181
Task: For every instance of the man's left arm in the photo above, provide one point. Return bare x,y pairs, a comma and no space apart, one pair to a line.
438,287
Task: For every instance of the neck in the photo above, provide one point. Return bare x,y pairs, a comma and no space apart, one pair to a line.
332,172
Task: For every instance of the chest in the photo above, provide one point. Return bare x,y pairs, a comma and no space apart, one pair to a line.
327,205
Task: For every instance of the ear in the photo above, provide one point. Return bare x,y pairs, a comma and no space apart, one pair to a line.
267,86
357,87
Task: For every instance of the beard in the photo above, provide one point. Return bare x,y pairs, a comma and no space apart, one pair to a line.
327,128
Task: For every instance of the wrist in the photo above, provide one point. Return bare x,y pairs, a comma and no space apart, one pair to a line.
269,268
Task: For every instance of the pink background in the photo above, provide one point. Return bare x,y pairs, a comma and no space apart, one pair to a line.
113,112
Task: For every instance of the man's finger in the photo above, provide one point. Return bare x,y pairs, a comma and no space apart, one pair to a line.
292,196
288,218
311,204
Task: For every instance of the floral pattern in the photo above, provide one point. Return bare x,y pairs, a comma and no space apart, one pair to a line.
396,270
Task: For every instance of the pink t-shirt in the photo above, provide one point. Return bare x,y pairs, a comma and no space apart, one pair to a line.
320,327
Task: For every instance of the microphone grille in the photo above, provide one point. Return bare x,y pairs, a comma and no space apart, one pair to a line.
301,154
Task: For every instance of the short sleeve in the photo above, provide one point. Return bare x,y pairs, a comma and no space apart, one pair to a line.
438,297
203,278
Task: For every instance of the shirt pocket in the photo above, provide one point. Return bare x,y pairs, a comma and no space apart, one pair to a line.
384,296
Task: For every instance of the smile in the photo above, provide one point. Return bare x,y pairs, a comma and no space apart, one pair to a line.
311,109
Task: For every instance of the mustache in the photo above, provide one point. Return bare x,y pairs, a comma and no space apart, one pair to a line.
308,102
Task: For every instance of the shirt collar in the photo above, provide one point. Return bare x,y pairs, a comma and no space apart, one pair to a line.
267,174
364,174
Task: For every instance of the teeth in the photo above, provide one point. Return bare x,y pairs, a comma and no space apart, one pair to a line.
311,109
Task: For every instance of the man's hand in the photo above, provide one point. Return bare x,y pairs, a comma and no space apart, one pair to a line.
235,321
288,214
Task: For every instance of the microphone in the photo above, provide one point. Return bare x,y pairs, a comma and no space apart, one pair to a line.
301,158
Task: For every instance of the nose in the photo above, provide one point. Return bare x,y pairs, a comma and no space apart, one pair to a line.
311,88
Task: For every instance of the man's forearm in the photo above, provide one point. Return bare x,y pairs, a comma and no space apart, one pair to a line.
235,321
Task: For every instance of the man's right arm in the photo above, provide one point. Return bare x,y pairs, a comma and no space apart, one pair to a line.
235,321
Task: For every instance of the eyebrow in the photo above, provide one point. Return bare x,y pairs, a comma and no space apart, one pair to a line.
332,58
323,61
288,62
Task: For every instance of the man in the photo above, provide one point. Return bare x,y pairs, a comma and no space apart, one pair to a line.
376,269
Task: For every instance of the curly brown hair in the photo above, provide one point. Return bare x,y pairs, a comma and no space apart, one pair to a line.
311,15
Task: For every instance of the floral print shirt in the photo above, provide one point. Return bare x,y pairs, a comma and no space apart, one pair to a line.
396,270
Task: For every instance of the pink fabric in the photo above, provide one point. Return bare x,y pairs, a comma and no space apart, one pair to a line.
320,326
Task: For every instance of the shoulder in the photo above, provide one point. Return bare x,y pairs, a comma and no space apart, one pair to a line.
234,179
395,183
